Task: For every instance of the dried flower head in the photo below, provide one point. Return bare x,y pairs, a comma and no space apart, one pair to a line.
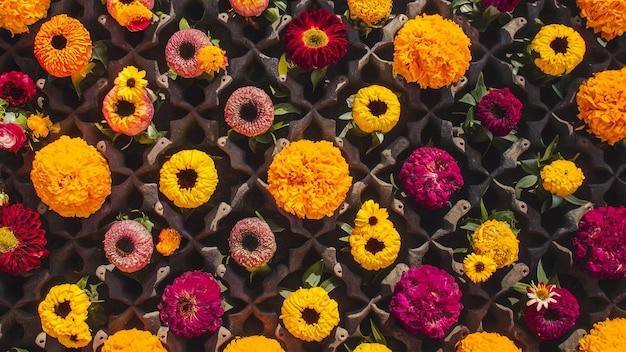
16,88
249,111
561,177
559,48
310,314
252,243
181,52
128,245
22,240
499,111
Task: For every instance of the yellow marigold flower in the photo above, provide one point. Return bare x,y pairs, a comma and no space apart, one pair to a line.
16,15
71,177
486,342
133,340
126,14
496,240
212,59
39,124
169,241
432,51
602,104
370,215
131,83
372,12
561,177
254,343
377,249
606,336
310,314
478,268
606,17
188,178
63,313
375,108
371,347
309,179
560,49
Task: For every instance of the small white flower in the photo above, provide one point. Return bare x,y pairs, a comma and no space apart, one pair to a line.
541,294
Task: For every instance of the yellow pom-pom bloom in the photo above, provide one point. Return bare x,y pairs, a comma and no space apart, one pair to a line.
169,241
310,314
375,108
561,177
16,15
486,342
371,347
188,178
478,268
63,313
496,240
606,336
560,49
212,59
254,343
133,340
607,17
71,177
375,249
39,124
372,12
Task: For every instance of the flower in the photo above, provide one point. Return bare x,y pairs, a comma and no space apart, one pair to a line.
63,46
192,305
432,51
133,340
310,314
375,249
496,240
253,343
22,240
63,313
249,111
426,300
561,177
560,49
501,5
131,83
16,87
128,245
478,268
372,12
127,116
371,347
486,342
252,243
212,59
430,175
39,125
606,336
315,39
249,8
309,179
375,108
606,18
169,241
181,52
499,111
371,216
601,101
135,15
16,15
541,295
12,136
71,177
188,178
600,244
554,321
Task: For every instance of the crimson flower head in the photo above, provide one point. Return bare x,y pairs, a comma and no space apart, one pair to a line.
16,88
553,321
499,111
315,39
501,5
22,240
12,136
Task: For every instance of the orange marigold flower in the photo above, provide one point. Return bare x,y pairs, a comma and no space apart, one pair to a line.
212,59
127,116
16,15
605,17
169,241
432,51
249,8
133,340
39,124
71,177
135,16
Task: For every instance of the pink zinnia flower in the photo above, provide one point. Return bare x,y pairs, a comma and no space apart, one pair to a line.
249,111
430,175
128,245
252,243
192,305
181,52
426,300
12,136
16,87
501,5
22,240
499,111
554,321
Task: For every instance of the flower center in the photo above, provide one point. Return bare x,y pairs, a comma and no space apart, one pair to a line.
186,50
126,2
559,45
374,246
187,178
250,242
248,111
550,315
479,267
8,241
377,108
498,112
314,38
372,220
63,309
125,246
187,306
58,42
542,293
310,316
130,83
125,108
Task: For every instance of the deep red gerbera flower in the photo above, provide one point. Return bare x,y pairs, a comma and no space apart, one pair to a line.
315,39
22,241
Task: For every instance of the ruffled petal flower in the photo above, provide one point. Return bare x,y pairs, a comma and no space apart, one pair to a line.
16,88
181,52
128,245
249,111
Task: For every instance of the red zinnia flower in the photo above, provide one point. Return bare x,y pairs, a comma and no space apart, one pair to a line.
554,321
22,241
499,111
181,52
16,87
252,243
249,111
128,245
315,39
501,5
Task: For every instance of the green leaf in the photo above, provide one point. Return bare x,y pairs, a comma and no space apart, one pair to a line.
531,166
480,90
223,288
575,200
345,227
347,116
283,65
525,182
283,291
16,349
281,5
171,74
183,24
484,215
350,100
550,149
82,283
99,52
331,283
521,287
252,144
226,306
459,250
317,75
378,336
279,93
468,99
470,226
377,138
145,222
313,274
96,317
271,14
80,76
541,274
285,108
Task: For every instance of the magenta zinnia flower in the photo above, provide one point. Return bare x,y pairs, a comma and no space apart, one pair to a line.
181,52
128,245
426,300
16,88
430,175
501,5
553,322
601,242
192,305
22,241
249,111
499,111
252,243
